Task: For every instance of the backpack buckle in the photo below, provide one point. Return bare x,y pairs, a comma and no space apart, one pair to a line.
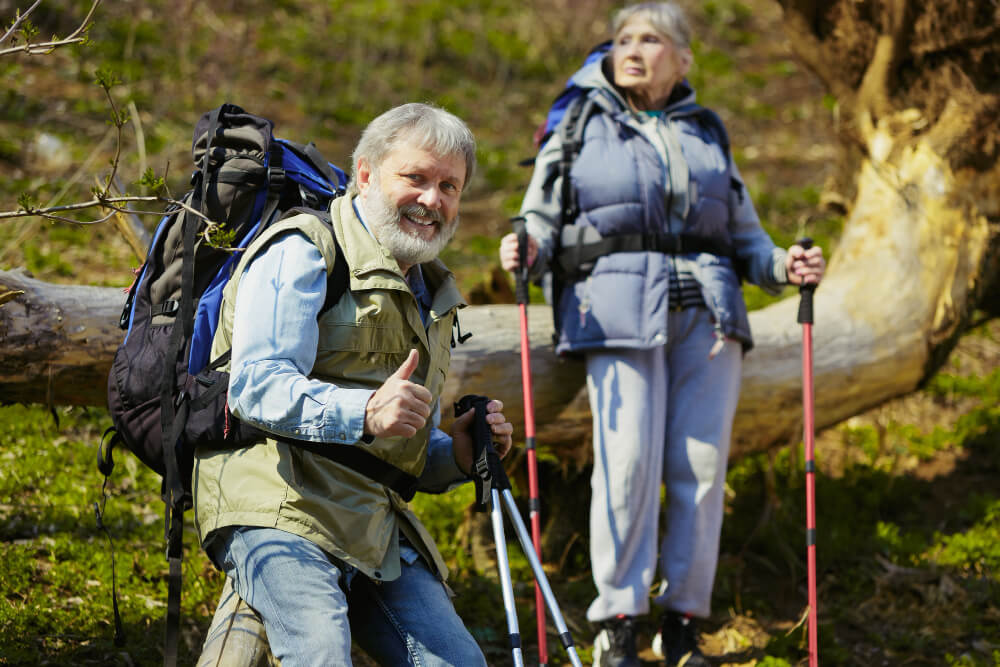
168,307
309,198
275,179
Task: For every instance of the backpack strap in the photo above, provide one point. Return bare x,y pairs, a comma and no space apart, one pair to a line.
361,461
571,131
106,464
311,154
173,416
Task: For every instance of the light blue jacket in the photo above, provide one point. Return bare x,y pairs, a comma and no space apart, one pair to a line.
638,173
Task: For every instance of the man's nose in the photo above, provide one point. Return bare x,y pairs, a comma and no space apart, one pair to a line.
430,197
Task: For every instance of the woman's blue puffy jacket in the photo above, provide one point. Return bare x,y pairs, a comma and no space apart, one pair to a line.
665,174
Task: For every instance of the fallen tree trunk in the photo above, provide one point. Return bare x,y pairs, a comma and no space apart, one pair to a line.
56,341
872,342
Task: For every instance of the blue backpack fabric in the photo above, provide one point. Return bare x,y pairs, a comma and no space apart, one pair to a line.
165,395
571,92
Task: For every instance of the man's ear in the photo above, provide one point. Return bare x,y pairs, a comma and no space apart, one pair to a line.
364,175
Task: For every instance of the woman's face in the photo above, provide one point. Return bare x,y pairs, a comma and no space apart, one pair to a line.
647,64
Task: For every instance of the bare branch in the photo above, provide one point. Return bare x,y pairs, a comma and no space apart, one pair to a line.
975,37
77,36
79,206
18,20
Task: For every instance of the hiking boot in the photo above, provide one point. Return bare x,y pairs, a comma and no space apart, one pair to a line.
677,642
615,644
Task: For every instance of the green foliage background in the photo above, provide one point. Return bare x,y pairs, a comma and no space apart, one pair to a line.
909,524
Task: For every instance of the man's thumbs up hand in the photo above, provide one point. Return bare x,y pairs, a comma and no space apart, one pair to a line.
399,407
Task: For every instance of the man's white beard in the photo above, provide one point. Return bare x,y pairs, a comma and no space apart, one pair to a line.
385,221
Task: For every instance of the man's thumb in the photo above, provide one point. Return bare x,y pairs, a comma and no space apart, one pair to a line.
406,370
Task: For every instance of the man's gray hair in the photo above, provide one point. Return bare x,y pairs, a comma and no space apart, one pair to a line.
428,127
666,17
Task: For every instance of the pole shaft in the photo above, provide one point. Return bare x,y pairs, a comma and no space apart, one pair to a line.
541,580
520,277
506,585
808,428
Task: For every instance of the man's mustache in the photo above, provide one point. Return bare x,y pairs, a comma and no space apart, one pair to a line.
422,212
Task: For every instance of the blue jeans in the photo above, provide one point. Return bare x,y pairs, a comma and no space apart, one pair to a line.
313,605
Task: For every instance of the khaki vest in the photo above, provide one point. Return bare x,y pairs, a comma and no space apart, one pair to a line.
363,339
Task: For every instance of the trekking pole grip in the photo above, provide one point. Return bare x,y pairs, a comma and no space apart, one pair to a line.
521,275
806,290
487,471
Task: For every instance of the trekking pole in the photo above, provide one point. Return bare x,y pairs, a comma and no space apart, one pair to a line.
534,504
492,485
805,318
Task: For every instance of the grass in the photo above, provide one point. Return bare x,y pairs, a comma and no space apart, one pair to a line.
908,545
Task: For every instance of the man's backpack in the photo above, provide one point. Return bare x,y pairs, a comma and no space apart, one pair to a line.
165,395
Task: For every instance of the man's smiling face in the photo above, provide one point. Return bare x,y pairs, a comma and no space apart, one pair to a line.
411,201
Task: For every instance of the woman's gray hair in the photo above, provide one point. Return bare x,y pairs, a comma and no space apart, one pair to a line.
428,127
666,17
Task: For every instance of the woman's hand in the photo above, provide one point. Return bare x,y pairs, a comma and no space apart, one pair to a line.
805,266
461,435
510,259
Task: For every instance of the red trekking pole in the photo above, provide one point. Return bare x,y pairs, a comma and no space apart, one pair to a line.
534,505
805,318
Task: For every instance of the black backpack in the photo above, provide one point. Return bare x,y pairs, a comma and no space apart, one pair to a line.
163,388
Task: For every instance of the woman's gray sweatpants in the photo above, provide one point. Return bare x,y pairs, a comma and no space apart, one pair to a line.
660,415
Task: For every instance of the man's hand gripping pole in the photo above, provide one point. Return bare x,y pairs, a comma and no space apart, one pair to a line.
488,472
493,493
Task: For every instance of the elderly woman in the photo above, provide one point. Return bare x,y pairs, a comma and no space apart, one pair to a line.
649,270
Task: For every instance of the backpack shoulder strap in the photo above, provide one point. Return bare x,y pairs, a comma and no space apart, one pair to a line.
339,279
337,282
571,131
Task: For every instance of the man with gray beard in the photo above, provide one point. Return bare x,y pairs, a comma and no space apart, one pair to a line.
323,552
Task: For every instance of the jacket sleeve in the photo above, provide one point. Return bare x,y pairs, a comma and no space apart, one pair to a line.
762,261
542,204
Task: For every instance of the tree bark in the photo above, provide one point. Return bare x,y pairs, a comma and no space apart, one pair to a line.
56,341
